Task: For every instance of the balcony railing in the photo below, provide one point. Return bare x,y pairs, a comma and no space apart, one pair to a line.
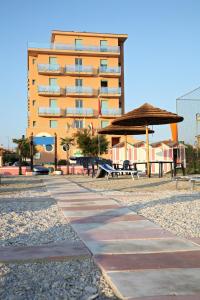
111,112
48,89
49,68
73,47
78,69
54,111
112,70
110,91
79,90
80,111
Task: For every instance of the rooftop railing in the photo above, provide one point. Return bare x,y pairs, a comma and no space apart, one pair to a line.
110,91
73,47
80,111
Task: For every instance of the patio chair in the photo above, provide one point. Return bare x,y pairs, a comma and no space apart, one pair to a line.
110,171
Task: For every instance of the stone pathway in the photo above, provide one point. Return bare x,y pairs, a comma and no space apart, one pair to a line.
140,260
49,252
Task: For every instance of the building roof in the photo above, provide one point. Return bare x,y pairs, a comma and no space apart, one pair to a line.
121,37
192,95
169,143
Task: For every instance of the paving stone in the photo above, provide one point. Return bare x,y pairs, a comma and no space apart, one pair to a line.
125,262
92,207
119,226
175,297
106,219
49,252
156,282
86,203
125,247
127,235
106,212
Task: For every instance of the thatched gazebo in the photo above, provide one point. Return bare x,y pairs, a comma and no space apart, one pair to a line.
147,115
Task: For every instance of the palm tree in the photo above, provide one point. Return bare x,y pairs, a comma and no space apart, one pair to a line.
24,150
66,143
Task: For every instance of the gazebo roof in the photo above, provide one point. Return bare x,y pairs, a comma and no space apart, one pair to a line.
123,130
147,114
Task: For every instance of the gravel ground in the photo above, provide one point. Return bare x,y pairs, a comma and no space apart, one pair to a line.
155,198
29,216
70,280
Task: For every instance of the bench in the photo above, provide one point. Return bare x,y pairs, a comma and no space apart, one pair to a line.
191,180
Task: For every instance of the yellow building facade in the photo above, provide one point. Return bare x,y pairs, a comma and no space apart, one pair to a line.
75,82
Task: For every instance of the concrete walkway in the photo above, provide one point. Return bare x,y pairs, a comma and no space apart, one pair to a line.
141,260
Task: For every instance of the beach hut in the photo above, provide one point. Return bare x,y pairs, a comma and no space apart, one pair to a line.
166,150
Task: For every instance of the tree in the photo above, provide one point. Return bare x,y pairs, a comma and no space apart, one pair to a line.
91,145
24,148
66,143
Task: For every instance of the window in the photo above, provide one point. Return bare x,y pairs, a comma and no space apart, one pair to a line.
78,44
34,123
104,63
53,124
79,103
103,45
104,124
78,123
33,81
78,61
104,104
53,103
79,82
49,148
53,81
52,60
104,83
33,102
33,61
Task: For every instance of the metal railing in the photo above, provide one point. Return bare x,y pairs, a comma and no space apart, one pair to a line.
114,70
73,47
49,111
76,68
80,111
79,90
49,89
111,112
48,67
110,91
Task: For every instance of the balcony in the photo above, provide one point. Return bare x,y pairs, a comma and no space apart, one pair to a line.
73,47
110,92
48,90
110,71
80,112
111,112
50,111
84,91
49,69
83,70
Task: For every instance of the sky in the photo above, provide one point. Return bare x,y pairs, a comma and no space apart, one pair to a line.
162,53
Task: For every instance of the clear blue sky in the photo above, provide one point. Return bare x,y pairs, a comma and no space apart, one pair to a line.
162,53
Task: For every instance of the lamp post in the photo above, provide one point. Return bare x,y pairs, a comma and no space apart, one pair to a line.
20,154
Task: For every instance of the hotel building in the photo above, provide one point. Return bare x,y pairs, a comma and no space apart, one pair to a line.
74,82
